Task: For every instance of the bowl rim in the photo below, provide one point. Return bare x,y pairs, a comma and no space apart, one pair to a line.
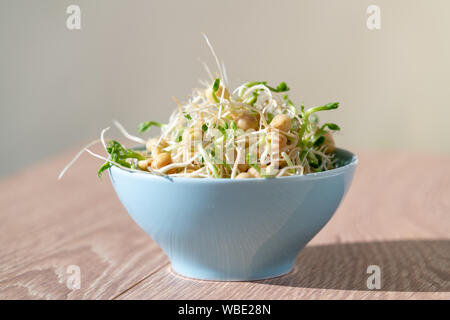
310,176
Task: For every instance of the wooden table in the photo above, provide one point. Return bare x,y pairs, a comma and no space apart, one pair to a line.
396,216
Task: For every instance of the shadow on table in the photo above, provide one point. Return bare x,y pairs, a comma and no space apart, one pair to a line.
406,265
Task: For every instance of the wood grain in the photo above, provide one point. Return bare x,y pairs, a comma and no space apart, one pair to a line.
396,216
48,225
410,269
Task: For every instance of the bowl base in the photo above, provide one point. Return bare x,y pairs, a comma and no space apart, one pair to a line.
214,275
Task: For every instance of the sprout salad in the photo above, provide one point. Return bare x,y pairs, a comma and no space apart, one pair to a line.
252,131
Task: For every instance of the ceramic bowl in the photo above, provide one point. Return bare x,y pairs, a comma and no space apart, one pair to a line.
240,229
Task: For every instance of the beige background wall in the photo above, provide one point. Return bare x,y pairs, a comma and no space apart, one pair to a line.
59,88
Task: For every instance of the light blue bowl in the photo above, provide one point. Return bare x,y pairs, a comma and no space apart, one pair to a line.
222,229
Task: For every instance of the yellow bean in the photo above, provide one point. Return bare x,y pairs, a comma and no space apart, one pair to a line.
281,122
247,121
243,167
328,143
161,160
151,145
143,164
254,173
244,175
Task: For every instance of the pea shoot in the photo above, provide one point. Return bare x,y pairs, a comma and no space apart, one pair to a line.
257,123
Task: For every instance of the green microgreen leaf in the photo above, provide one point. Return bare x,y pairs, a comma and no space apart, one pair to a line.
329,106
221,129
119,155
306,120
331,126
313,160
313,118
215,87
104,167
319,141
282,87
251,100
144,126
